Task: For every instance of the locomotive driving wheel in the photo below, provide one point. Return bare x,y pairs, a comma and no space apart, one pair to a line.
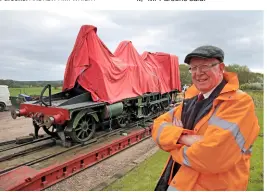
52,131
165,105
146,111
122,121
155,109
85,129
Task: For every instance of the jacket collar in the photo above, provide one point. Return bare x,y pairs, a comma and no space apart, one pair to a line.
232,85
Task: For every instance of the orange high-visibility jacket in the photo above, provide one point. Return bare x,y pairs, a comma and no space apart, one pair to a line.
221,161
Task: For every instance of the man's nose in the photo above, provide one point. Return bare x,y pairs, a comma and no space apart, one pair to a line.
198,70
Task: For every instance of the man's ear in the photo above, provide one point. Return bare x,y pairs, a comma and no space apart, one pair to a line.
222,67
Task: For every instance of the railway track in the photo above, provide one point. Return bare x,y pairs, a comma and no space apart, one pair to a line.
41,173
8,142
63,150
8,145
50,164
25,153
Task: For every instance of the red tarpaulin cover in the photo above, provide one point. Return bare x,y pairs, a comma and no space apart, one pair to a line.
113,77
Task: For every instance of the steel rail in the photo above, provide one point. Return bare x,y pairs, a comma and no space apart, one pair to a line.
29,179
29,163
20,145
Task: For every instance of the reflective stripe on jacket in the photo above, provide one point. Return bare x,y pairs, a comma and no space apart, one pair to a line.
221,161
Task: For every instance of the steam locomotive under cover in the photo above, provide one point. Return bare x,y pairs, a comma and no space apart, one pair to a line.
102,88
114,77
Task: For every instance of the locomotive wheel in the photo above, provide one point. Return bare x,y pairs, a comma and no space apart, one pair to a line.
53,131
146,111
152,109
155,109
122,121
85,129
165,105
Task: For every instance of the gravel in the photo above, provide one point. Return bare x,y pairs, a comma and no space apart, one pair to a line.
101,172
11,129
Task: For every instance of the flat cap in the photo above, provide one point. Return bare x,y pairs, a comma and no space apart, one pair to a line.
206,51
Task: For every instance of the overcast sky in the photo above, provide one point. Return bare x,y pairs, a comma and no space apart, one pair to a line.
35,45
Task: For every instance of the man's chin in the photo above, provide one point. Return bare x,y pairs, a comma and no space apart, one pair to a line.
202,89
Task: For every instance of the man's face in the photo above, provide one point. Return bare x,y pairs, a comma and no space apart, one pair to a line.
207,79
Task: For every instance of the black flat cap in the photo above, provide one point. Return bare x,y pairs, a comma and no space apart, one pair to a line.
207,51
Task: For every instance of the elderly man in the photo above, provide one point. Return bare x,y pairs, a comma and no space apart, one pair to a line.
210,135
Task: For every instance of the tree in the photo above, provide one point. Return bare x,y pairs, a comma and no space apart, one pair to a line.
185,76
244,74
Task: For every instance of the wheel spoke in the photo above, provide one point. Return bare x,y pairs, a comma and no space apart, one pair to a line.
83,133
79,134
87,119
79,128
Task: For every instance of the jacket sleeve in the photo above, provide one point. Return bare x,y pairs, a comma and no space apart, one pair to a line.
230,134
165,131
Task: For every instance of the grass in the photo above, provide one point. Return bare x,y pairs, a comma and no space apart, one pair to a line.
142,178
145,176
257,98
31,91
256,174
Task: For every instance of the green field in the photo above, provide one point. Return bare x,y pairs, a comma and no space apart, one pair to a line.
32,91
145,176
